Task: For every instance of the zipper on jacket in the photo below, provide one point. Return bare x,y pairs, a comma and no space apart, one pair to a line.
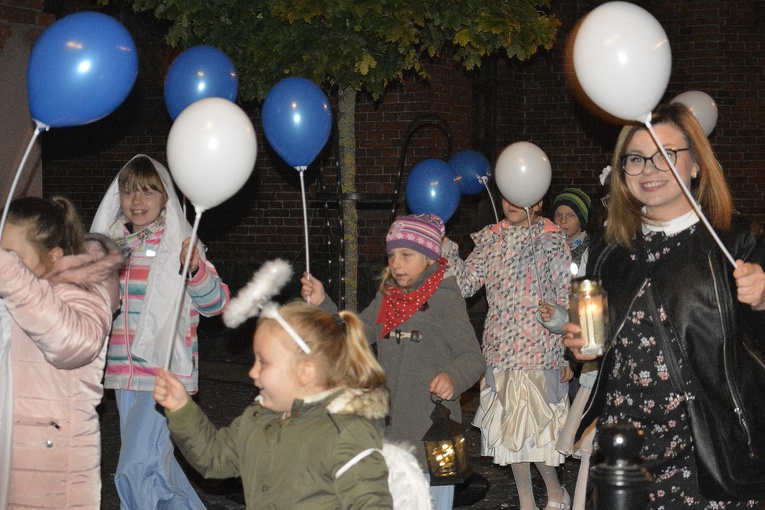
126,324
734,396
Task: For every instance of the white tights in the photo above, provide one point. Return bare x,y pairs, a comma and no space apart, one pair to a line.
522,475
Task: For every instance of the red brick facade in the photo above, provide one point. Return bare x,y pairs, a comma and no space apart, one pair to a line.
717,47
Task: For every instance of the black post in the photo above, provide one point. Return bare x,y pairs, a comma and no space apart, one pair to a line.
619,482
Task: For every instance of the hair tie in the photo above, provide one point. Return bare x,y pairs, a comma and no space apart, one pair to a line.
339,321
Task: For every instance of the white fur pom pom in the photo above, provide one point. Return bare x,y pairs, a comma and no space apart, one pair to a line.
265,284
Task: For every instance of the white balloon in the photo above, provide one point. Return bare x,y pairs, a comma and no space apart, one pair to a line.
523,173
622,59
703,107
211,151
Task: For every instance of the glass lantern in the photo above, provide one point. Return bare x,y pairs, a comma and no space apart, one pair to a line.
446,449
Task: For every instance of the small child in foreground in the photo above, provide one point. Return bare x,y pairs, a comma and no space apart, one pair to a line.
322,400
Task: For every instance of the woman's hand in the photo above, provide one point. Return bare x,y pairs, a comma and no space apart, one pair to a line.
566,374
572,339
312,290
750,283
169,392
442,387
194,262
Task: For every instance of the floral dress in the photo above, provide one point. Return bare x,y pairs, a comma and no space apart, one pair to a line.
641,393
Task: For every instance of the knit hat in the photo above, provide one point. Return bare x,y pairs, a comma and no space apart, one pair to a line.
422,233
577,200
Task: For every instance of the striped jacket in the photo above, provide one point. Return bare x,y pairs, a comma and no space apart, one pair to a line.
124,369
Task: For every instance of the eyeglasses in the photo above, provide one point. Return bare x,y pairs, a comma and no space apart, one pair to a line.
634,164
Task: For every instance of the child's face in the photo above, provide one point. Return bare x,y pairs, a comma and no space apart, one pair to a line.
566,219
275,368
141,207
15,240
406,265
516,215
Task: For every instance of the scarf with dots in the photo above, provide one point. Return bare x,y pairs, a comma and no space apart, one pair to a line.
397,305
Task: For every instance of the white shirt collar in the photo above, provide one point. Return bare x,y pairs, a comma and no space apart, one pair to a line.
672,226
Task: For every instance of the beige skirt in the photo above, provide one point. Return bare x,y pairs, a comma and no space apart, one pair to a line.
517,423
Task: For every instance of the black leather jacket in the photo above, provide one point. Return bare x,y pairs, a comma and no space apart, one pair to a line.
721,340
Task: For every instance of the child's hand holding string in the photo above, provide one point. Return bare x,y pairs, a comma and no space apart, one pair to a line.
546,310
194,262
312,290
442,387
169,392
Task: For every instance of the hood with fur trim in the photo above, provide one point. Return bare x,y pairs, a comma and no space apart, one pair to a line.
372,403
99,264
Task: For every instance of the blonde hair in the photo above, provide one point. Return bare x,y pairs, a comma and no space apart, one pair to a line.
710,190
338,345
50,224
139,174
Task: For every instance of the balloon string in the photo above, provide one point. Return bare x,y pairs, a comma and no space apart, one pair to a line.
182,286
534,253
39,129
688,194
485,181
301,171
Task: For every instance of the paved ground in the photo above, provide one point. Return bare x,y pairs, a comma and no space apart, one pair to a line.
225,390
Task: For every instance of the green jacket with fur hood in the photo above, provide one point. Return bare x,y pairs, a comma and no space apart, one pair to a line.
290,463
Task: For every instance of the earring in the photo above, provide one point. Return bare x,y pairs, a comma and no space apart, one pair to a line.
694,175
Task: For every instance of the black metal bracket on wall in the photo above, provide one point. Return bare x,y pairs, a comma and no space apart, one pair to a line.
378,201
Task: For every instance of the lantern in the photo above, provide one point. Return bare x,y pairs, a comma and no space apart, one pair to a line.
446,449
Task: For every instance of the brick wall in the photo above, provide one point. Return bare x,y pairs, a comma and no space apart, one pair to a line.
717,47
21,23
26,13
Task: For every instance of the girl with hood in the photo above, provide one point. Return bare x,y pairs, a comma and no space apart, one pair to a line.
141,212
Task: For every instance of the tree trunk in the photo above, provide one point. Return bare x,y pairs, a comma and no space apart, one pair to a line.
346,124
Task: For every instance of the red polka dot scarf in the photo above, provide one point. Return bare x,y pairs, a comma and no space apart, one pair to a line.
397,305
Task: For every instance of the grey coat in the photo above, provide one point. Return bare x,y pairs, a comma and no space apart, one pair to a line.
448,344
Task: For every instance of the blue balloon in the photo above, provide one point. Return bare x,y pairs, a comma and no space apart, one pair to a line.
198,73
80,70
473,169
297,120
432,188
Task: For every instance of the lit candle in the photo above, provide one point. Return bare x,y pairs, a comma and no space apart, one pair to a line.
590,319
589,306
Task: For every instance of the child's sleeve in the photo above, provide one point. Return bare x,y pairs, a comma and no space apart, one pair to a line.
470,272
213,452
66,322
207,291
467,363
365,484
555,269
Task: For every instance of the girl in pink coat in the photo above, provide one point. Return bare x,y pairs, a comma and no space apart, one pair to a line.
58,290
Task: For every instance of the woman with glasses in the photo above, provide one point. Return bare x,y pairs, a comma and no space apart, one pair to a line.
686,327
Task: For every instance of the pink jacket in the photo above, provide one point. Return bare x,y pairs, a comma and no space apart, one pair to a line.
58,332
